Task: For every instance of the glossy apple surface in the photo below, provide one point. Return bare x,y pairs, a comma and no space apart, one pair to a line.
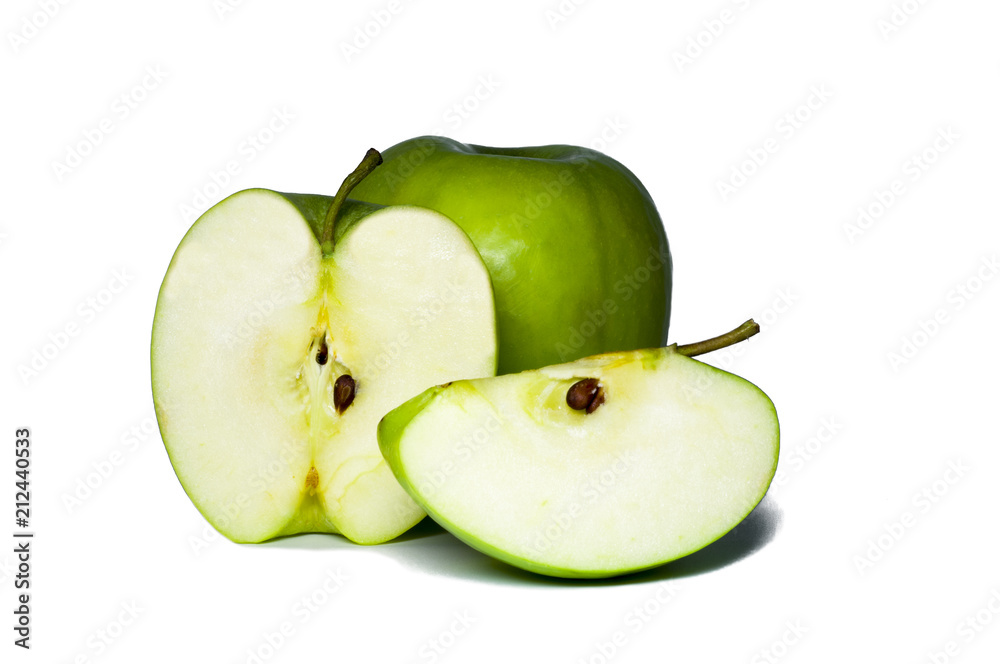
574,245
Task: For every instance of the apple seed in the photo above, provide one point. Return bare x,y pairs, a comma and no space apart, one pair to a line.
343,393
586,394
322,354
597,400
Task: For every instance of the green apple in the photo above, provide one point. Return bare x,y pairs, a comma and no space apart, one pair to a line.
287,325
577,252
603,466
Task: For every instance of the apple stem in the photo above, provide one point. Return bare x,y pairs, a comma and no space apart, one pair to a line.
372,159
742,333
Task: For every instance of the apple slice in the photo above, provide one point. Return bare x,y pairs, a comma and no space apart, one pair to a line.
602,466
285,328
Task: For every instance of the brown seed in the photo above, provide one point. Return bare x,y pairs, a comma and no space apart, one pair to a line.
582,394
343,392
323,353
597,400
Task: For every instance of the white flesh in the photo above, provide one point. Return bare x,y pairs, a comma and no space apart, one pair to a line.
678,454
245,410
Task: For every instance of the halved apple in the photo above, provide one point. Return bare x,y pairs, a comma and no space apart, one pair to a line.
603,466
286,327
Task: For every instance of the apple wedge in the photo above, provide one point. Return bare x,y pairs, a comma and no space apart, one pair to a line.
603,466
286,327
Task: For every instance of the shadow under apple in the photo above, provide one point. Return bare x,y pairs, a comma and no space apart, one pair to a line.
430,548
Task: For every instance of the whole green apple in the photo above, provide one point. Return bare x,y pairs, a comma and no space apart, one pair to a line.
575,248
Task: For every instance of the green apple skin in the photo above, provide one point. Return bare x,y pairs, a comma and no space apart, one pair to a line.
393,427
575,248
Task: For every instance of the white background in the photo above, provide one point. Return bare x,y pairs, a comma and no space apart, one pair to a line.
843,561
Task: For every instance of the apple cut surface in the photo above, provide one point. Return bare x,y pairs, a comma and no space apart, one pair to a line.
676,456
254,325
